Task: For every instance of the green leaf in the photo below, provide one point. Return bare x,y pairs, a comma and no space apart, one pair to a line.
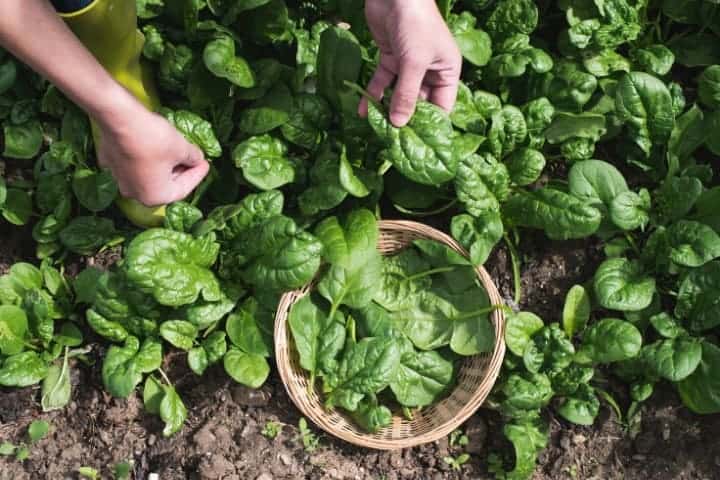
13,328
561,215
309,119
244,331
18,206
527,391
654,59
173,266
277,255
528,439
350,246
700,392
23,141
85,285
245,368
179,333
709,87
673,359
349,180
267,113
474,44
630,210
582,407
37,430
318,338
478,235
196,130
550,349
153,394
86,235
676,197
372,417
423,149
94,190
519,329
367,367
525,165
172,411
692,244
645,104
422,378
596,182
481,184
264,162
22,370
219,57
339,60
56,387
621,284
123,367
576,311
610,340
697,298
181,217
566,126
7,448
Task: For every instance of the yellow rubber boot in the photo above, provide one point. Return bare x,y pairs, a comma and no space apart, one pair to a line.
108,28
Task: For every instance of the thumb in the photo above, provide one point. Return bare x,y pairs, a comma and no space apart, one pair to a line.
407,90
190,173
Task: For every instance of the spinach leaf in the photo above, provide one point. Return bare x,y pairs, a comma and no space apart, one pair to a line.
264,163
422,378
422,150
621,284
173,266
561,215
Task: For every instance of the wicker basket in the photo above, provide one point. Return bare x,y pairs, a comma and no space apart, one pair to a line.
476,374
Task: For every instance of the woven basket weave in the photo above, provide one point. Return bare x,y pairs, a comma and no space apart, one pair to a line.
476,374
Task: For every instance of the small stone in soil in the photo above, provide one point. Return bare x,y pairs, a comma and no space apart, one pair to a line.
249,397
264,476
579,439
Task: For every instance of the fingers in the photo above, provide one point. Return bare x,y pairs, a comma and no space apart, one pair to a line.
445,96
407,91
190,174
379,82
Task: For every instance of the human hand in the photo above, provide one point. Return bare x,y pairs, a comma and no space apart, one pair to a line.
151,161
417,48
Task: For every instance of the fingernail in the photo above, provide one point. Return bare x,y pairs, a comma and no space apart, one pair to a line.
399,119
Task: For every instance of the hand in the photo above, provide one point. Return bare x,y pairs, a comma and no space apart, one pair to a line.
151,161
417,48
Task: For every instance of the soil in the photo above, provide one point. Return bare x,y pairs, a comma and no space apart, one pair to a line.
222,438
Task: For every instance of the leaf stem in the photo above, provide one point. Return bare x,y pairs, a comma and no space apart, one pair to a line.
31,346
515,261
427,273
165,377
633,244
476,313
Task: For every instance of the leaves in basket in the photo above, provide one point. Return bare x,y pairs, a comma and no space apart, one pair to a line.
388,331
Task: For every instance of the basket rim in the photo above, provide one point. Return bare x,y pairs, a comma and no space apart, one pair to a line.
284,348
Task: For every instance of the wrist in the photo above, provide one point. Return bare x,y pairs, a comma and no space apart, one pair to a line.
116,108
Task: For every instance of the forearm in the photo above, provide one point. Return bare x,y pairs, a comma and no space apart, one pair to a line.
34,33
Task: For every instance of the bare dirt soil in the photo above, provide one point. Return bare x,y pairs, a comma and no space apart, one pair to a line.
222,438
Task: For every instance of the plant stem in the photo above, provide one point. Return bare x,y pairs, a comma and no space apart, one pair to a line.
427,273
632,243
165,377
476,313
31,346
515,261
